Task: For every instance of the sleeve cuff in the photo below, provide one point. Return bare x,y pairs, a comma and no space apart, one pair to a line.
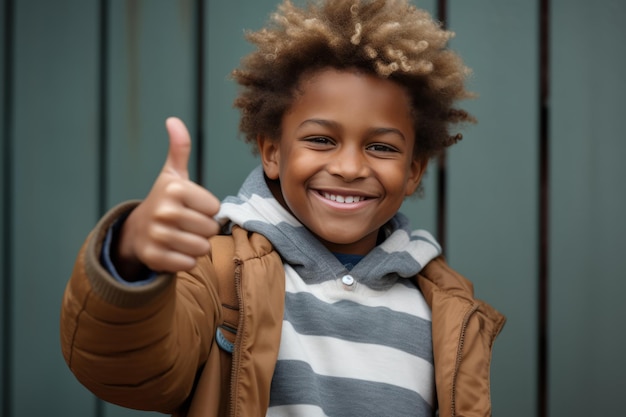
107,263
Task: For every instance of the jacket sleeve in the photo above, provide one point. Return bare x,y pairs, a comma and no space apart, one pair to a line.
138,347
464,330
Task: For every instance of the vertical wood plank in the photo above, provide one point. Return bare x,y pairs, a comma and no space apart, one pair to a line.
4,104
151,77
493,186
53,205
228,159
588,205
543,208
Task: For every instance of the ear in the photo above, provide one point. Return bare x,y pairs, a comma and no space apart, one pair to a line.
416,172
269,151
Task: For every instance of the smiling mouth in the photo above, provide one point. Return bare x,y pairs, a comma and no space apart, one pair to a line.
344,199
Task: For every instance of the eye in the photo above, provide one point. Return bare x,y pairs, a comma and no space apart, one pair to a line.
381,148
321,141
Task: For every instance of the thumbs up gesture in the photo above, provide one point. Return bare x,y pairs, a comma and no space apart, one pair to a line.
171,227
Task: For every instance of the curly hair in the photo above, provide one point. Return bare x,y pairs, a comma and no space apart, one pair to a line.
391,39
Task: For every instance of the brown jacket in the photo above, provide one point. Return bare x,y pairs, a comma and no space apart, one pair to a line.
153,347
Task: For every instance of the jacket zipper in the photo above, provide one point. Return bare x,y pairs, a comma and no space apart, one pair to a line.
459,355
234,367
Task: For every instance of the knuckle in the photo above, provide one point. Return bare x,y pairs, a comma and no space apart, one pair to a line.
149,255
165,212
157,234
175,189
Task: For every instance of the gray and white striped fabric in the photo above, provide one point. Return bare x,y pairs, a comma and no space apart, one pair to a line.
354,343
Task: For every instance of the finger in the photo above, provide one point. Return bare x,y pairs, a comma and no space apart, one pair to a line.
167,239
183,193
185,219
197,223
201,200
163,260
189,244
180,147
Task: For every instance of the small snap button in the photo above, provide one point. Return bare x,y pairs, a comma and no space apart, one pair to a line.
348,280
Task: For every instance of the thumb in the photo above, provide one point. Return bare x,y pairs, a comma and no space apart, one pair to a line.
180,147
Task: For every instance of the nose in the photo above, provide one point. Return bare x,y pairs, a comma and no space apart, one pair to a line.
349,163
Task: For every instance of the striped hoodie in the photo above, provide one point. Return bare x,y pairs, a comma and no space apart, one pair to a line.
356,340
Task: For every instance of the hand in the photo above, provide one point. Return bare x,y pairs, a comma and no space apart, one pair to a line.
171,227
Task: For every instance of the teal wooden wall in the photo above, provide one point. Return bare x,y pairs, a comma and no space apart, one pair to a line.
82,115
588,267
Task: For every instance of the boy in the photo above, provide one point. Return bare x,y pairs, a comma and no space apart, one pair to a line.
345,102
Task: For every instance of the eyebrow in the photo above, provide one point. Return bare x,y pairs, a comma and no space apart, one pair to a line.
376,131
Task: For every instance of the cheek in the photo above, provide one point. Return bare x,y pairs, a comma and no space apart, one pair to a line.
399,181
296,164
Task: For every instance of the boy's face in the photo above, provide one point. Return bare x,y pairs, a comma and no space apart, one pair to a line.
345,158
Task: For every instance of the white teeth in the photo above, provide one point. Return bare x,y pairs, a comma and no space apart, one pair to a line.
343,199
